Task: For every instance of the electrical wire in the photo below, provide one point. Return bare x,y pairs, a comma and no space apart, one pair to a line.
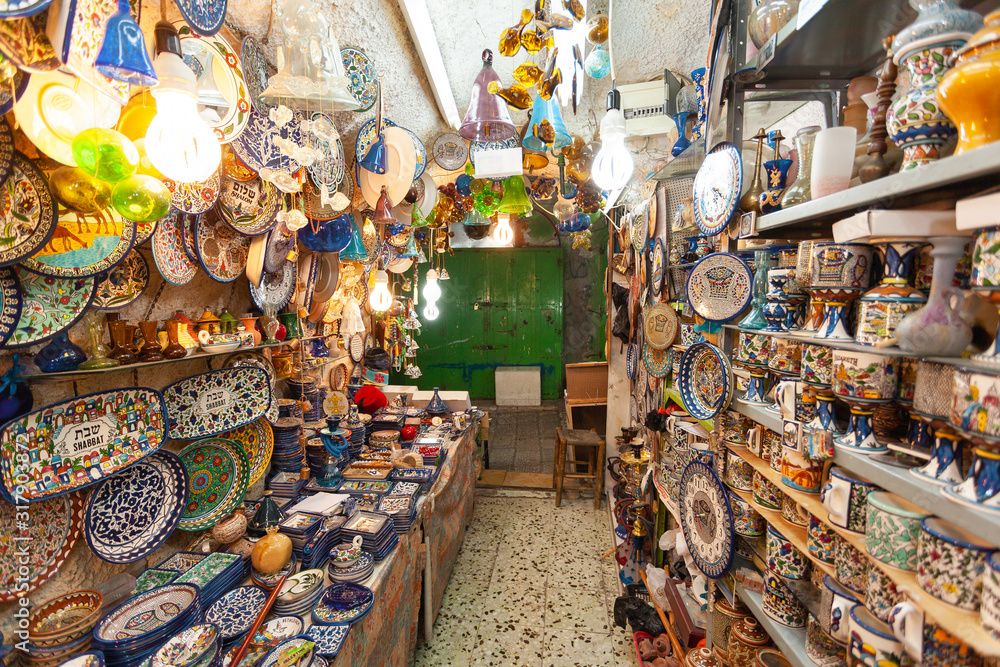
611,48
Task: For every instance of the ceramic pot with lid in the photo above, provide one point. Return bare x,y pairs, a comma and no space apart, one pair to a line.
745,637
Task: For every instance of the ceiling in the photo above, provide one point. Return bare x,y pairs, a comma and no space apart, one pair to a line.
647,38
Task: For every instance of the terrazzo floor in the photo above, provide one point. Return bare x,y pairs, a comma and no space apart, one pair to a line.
530,589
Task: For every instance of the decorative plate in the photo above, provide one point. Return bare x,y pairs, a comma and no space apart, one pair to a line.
657,362
659,326
356,347
338,376
450,151
255,146
274,658
10,304
336,404
195,197
342,603
256,72
218,472
19,84
656,268
270,634
235,612
147,612
48,306
717,188
639,234
84,244
206,570
188,224
204,16
123,285
366,136
706,381
80,441
132,513
279,242
233,168
6,151
707,519
210,403
213,55
168,250
188,647
77,34
313,201
29,212
13,9
258,360
330,169
362,77
152,578
44,540
257,440
144,232
476,147
421,151
249,207
222,252
720,286
631,360
275,289
328,638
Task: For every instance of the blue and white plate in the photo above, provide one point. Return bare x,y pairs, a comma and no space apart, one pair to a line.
255,146
343,604
275,289
235,612
132,513
328,638
10,304
631,360
421,151
204,16
209,403
706,381
14,9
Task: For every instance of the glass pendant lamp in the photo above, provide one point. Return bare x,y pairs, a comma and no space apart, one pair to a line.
123,55
515,197
487,118
383,210
375,159
546,129
355,250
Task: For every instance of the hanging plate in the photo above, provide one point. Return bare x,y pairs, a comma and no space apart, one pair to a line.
6,151
279,242
48,306
217,68
249,207
707,519
275,289
7,87
54,523
255,72
14,9
233,168
133,512
717,188
330,169
222,252
168,250
10,304
356,347
255,146
123,285
29,212
631,360
656,268
362,77
719,286
188,237
210,403
255,259
197,197
660,326
257,440
217,472
204,16
657,362
84,244
451,151
144,232
706,381
421,151
638,234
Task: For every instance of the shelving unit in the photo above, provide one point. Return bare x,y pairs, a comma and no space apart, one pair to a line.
791,641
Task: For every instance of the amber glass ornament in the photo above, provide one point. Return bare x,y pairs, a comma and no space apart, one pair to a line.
535,40
79,191
597,29
515,96
548,86
527,74
510,40
574,7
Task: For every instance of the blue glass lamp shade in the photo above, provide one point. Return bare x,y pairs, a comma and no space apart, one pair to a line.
123,55
355,250
547,131
374,160
60,355
331,236
411,248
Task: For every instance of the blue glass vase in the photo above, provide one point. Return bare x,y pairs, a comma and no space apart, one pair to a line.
755,318
682,143
60,355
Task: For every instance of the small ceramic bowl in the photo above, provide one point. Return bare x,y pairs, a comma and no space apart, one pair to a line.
344,554
65,618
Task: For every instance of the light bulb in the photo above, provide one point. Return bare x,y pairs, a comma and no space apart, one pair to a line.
380,299
178,142
502,233
613,164
431,291
430,311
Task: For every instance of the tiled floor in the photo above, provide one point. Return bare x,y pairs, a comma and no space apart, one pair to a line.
523,439
530,589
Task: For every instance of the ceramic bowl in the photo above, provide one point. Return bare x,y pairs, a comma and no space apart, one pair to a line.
220,348
65,618
188,648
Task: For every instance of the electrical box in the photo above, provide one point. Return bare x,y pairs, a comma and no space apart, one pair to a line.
644,106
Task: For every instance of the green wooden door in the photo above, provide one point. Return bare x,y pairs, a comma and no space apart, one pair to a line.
500,308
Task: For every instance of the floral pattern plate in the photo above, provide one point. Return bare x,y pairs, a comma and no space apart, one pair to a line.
342,604
188,647
257,439
249,207
720,286
48,306
80,441
195,197
235,612
210,403
25,44
328,638
144,232
18,86
221,251
132,513
6,151
279,242
217,471
275,289
51,532
258,360
10,304
255,72
29,212
273,658
84,244
255,146
212,57
206,570
123,285
12,9
706,381
366,136
362,77
145,613
188,223
168,250
204,16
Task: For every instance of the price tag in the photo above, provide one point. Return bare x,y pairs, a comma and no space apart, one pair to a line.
766,53
807,10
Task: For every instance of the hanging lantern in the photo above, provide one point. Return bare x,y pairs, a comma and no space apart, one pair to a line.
487,118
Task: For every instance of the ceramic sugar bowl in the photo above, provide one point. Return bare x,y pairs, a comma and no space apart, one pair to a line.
745,637
346,553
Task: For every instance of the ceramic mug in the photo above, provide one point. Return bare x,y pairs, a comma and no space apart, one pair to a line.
766,494
872,641
933,394
786,356
739,473
841,266
820,647
893,529
783,558
754,349
982,486
798,470
845,497
746,520
732,427
864,376
754,438
817,365
793,512
989,614
951,562
835,605
821,540
881,595
773,442
780,604
794,400
974,402
927,643
851,566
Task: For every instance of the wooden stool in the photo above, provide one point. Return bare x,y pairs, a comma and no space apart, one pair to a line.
593,444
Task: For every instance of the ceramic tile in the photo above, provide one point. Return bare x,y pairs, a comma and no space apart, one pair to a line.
576,609
514,602
505,644
624,649
453,636
566,648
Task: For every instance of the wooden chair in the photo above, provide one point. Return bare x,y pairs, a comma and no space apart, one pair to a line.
583,442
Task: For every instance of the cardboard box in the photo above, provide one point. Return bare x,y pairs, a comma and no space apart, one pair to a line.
587,381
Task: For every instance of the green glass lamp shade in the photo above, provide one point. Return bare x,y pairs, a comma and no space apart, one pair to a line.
105,154
515,197
546,129
411,247
418,218
355,250
79,191
141,198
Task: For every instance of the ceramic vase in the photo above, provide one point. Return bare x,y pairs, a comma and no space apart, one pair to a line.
945,464
968,93
884,306
981,489
745,638
250,323
937,328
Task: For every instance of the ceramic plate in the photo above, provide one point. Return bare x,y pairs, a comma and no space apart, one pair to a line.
328,170
53,528
10,304
342,603
6,151
256,72
356,347
249,207
255,259
123,285
717,188
450,151
195,197
659,325
144,232
257,439
279,242
336,403
657,362
84,244
477,147
98,434
362,77
217,68
48,306
720,286
258,360
400,163
275,289
656,268
204,16
235,612
274,658
168,250
12,9
133,512
189,647
147,612
210,403
222,252
631,360
328,638
17,86
255,146
29,212
706,381
421,151
188,224
217,473
233,168
270,634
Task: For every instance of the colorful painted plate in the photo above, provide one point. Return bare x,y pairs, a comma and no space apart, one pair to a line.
222,252
188,647
330,169
168,250
258,360
53,527
17,86
279,242
123,285
14,9
719,286
362,77
217,68
256,72
717,188
656,268
421,151
133,512
48,306
255,146
336,403
233,168
366,136
706,381
257,440
188,236
146,613
631,360
249,207
275,289
217,471
29,212
356,347
204,16
6,151
10,304
270,634
657,362
342,604
276,656
210,403
84,244
235,612
144,232
450,152
659,325
195,197
328,638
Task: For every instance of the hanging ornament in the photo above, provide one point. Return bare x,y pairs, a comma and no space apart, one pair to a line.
510,40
